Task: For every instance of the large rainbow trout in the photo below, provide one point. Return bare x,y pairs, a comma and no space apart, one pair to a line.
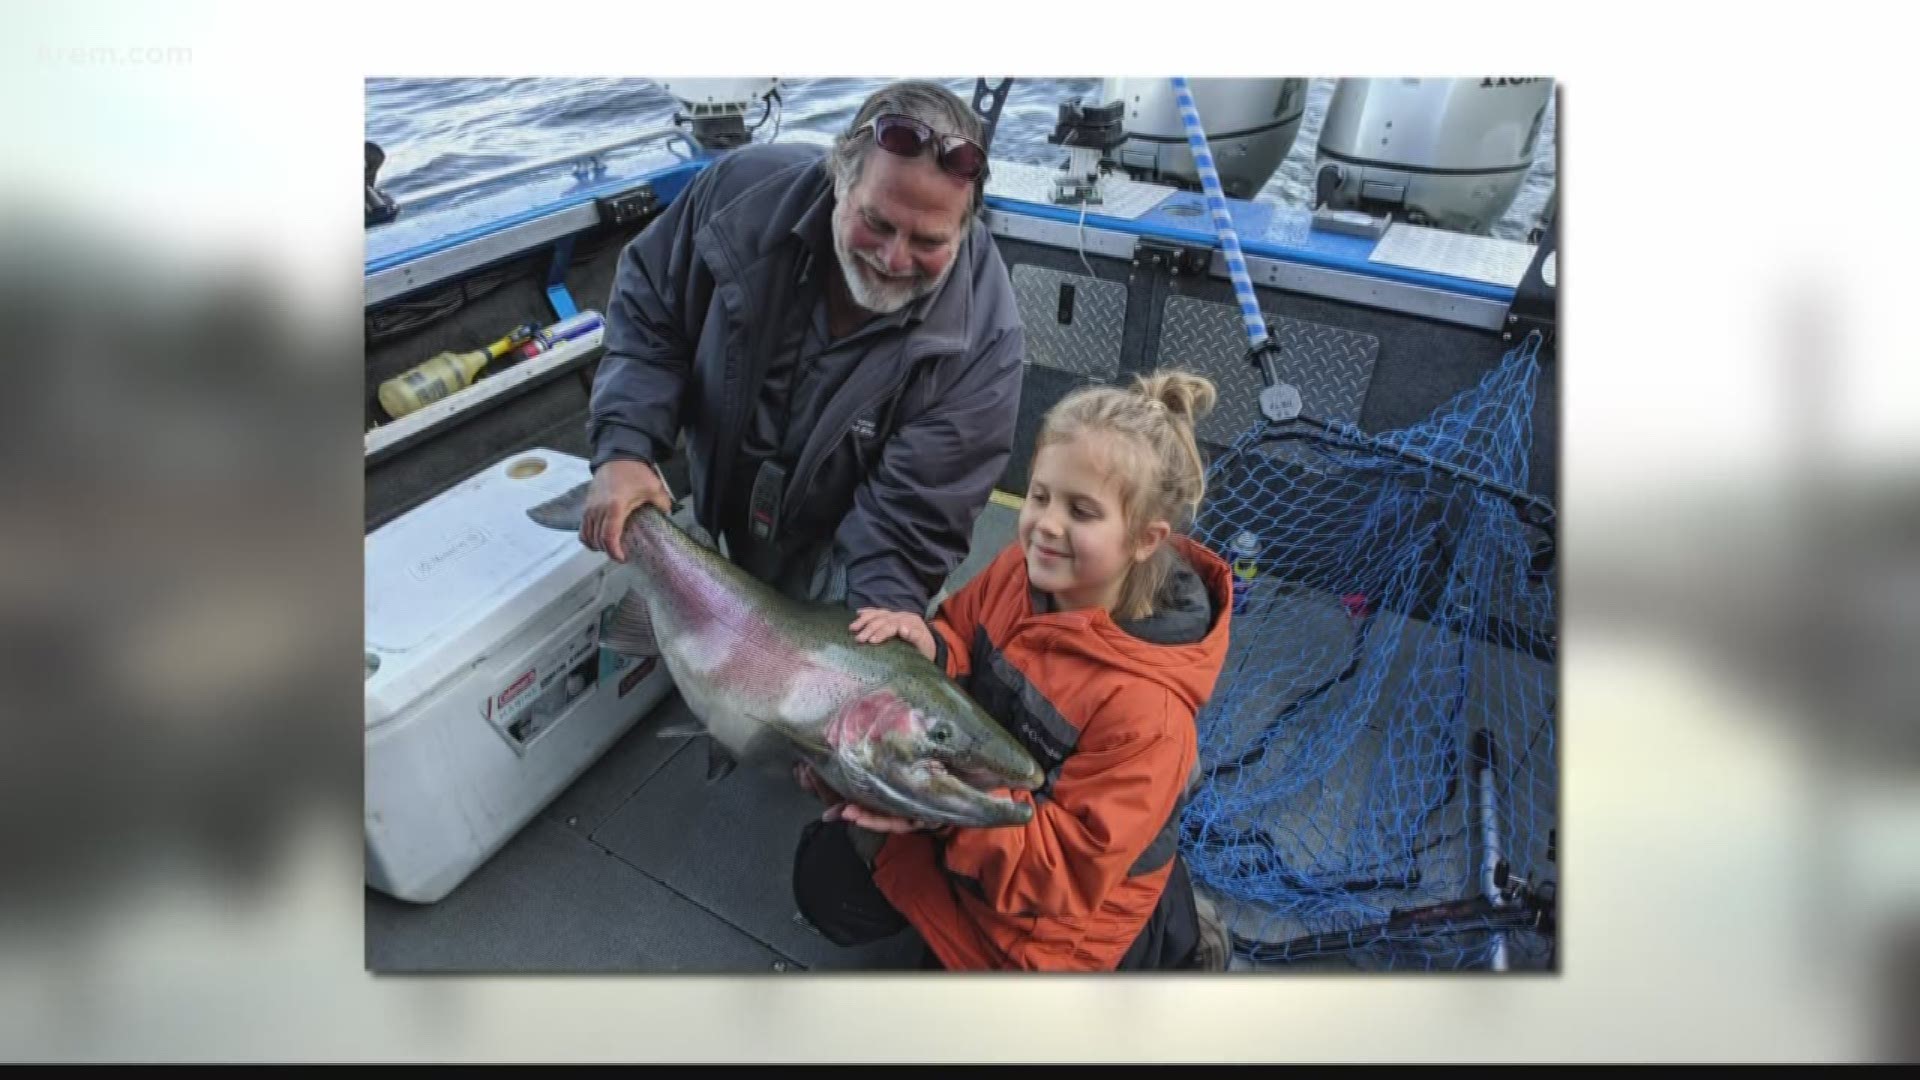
772,679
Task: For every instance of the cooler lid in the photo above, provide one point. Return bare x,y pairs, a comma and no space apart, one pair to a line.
445,565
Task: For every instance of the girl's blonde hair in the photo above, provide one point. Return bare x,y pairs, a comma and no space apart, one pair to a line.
1149,434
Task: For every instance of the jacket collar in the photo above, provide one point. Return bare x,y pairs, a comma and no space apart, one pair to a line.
1183,614
1183,645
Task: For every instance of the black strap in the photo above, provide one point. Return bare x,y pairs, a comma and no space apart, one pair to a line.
762,340
380,206
1172,933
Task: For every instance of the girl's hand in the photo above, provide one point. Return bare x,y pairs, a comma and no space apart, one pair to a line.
876,625
853,814
873,820
810,781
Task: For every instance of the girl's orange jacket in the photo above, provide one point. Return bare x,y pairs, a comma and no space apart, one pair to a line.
1108,710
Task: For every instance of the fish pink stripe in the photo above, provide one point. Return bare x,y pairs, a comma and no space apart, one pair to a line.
761,665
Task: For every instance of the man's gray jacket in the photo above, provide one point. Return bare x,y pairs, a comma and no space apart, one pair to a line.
901,457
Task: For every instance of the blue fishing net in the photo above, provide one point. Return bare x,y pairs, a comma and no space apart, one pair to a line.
1378,783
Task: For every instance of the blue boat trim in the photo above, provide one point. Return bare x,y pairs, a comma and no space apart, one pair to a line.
1332,251
1181,217
666,183
557,294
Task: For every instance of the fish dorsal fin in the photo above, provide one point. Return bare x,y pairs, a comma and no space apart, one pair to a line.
562,512
630,627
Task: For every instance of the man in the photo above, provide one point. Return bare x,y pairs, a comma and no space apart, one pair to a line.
838,338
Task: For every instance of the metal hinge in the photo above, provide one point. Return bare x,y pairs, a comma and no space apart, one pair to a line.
628,206
1177,259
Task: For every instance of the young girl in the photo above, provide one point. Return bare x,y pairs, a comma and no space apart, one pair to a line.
1093,638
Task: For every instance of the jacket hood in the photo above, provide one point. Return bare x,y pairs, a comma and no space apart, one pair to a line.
1181,646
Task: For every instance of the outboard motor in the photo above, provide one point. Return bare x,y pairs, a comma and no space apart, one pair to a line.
1451,153
1250,124
718,108
380,205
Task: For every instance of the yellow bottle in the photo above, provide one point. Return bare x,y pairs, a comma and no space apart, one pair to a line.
446,373
427,383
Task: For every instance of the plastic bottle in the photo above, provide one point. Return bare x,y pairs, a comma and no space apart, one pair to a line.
450,371
427,383
567,329
1246,567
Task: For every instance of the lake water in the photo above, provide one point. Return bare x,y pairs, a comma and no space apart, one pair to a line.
439,130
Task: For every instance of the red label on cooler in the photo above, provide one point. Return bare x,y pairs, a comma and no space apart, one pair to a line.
519,685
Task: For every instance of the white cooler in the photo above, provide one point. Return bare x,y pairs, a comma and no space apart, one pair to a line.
488,692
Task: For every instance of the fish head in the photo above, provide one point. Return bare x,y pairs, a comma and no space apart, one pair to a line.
936,757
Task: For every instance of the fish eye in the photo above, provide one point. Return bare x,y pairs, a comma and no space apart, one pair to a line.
940,732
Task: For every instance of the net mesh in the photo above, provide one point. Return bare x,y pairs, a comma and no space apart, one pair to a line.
1382,737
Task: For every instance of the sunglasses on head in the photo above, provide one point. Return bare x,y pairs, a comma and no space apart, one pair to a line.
908,137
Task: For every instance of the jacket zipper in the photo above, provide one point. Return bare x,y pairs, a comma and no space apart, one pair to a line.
806,468
756,363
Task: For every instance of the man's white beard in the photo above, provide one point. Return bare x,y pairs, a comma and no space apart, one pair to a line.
881,299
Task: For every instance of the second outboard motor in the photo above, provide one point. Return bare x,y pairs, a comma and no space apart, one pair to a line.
1250,123
1451,153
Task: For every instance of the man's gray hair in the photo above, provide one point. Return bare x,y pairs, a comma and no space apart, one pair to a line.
925,101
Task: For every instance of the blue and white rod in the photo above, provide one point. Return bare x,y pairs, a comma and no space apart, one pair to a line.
1256,325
